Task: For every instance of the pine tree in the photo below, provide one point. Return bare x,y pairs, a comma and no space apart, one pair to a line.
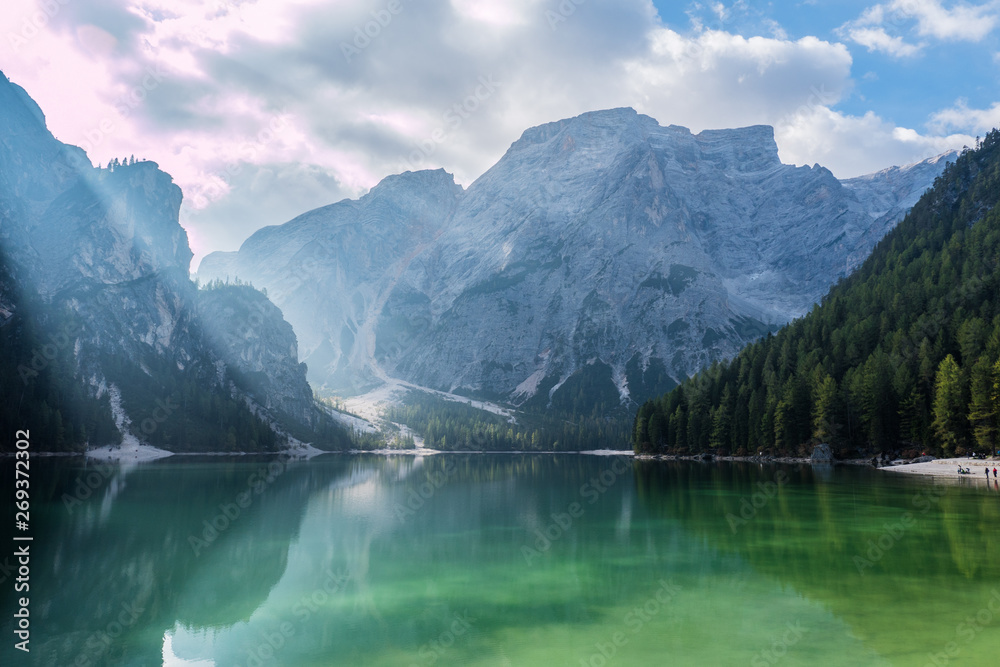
722,421
971,336
995,401
949,406
879,409
925,359
914,420
825,424
655,430
783,421
982,410
641,423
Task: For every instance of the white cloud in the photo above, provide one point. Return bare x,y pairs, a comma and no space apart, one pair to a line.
717,79
498,13
776,30
961,22
877,39
961,117
412,95
714,15
855,145
928,18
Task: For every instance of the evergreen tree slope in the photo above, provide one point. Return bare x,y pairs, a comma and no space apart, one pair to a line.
102,333
904,354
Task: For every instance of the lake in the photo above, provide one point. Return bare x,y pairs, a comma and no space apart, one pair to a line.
486,559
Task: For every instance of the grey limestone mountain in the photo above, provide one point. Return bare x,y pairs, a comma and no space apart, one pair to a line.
250,335
602,254
100,253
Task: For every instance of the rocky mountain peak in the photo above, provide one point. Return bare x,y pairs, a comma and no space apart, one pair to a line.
614,131
603,250
101,253
21,109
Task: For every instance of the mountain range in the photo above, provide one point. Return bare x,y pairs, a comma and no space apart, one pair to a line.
902,358
602,260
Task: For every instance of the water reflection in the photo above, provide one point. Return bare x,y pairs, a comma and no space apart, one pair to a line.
901,561
506,559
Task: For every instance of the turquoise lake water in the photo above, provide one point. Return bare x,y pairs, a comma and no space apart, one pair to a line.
504,560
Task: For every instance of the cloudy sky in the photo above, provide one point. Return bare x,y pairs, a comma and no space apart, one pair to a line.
263,109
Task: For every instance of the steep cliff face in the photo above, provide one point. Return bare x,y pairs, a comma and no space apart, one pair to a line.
335,267
100,264
600,251
249,333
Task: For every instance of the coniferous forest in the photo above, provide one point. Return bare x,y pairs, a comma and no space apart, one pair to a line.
36,378
451,426
43,390
178,410
901,356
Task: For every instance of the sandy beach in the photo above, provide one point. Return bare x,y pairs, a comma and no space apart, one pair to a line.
948,468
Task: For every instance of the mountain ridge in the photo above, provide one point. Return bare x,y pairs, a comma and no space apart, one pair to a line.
102,324
900,358
689,245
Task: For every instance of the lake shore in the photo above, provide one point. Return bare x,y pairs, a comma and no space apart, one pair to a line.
947,468
794,460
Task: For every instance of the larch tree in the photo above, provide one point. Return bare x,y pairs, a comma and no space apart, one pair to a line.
949,406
